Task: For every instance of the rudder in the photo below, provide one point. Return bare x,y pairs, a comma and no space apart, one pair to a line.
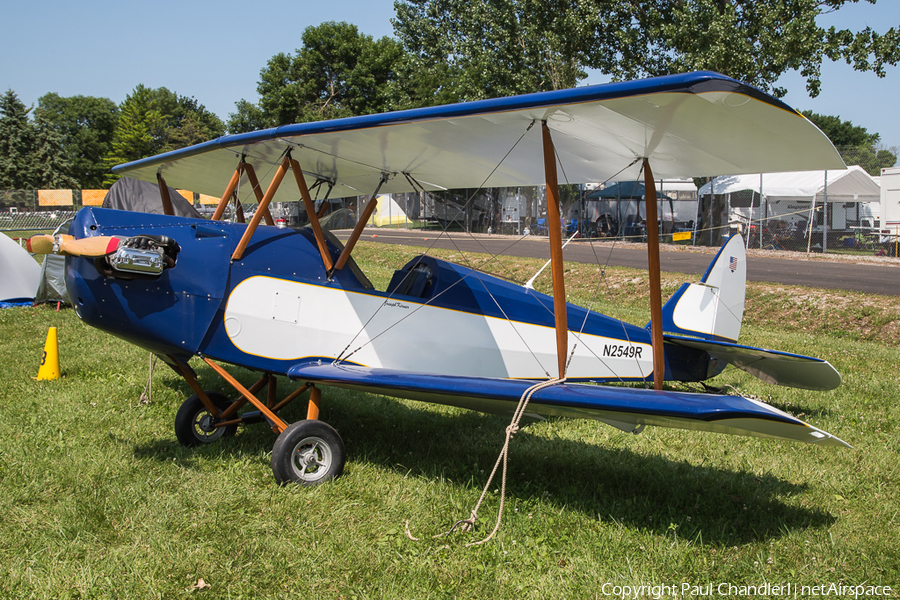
714,308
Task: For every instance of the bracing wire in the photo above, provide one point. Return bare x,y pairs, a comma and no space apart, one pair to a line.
344,355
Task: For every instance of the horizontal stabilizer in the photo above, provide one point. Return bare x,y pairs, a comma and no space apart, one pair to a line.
771,366
619,406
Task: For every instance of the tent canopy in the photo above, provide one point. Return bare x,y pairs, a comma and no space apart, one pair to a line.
388,212
846,185
623,190
19,272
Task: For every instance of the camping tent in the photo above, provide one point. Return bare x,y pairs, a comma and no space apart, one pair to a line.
850,185
791,195
19,272
141,196
388,213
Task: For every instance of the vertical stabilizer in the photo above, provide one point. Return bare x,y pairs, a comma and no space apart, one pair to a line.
712,309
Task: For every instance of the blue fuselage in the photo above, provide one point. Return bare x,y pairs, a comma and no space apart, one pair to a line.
195,308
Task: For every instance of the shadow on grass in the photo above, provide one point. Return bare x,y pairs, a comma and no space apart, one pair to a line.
655,493
800,411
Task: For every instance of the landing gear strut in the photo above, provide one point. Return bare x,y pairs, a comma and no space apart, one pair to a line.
307,452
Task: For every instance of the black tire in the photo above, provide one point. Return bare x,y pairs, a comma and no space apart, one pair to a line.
194,424
308,453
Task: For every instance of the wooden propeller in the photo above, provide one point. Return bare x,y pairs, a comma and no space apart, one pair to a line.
67,245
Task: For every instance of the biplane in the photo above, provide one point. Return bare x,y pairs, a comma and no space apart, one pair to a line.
292,302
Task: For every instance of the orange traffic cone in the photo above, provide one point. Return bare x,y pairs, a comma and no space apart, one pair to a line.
50,360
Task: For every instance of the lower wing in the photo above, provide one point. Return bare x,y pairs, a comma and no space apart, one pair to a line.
629,409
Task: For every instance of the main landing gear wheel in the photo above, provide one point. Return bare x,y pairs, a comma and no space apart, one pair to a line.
308,453
195,426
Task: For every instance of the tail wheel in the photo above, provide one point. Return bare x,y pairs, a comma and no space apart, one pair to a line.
195,426
308,453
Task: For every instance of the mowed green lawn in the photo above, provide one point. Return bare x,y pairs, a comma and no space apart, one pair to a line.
98,500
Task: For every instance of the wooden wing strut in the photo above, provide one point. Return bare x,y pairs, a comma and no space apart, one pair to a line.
360,225
556,255
311,213
264,200
254,183
164,195
229,191
263,207
242,168
656,332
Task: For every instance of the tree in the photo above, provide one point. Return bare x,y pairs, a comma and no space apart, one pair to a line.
51,168
86,125
755,41
522,44
856,145
476,49
156,121
248,117
16,144
338,72
870,158
842,133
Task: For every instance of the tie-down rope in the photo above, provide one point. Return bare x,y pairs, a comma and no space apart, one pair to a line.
511,430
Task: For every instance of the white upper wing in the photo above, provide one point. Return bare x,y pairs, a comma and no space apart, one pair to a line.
690,125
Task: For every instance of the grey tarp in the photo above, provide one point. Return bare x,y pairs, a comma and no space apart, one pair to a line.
141,196
125,194
52,287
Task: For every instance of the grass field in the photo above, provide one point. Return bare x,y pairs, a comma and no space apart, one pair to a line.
98,500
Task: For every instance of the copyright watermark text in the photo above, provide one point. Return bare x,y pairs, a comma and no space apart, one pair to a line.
787,590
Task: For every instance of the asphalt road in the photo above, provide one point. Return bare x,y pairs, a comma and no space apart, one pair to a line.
818,272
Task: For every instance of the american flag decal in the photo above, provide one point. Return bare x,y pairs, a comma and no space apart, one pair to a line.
732,263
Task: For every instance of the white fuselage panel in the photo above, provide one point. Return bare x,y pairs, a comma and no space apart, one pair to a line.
287,320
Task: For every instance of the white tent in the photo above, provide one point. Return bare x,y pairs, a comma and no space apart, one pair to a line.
19,272
388,213
850,185
851,193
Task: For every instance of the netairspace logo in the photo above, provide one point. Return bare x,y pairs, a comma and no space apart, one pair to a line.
786,590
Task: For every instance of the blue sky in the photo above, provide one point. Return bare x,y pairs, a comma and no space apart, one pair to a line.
214,51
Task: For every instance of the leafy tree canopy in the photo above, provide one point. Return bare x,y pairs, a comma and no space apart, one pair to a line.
247,117
842,133
51,166
337,72
86,125
856,145
490,48
152,121
870,158
755,41
32,154
17,143
527,45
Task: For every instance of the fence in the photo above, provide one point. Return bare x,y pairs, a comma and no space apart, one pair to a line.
45,210
685,218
